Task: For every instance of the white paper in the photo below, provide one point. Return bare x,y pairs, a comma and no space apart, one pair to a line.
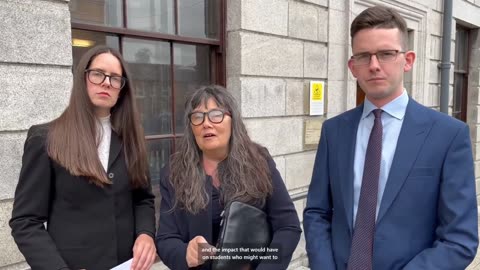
124,266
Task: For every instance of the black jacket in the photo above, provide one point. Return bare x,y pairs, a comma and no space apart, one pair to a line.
88,227
178,227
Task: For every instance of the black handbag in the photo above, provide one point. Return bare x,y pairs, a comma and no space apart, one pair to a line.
244,235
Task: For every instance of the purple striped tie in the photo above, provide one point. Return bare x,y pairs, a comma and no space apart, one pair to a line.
361,253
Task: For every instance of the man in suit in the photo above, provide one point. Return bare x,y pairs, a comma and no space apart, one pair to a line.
393,183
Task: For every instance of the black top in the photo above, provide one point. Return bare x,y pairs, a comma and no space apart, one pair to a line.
217,208
178,227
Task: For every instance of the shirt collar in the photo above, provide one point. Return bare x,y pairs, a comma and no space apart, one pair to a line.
395,108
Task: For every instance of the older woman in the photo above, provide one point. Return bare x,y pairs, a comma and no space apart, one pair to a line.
85,174
217,163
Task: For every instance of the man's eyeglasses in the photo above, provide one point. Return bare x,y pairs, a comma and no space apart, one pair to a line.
215,116
98,77
382,56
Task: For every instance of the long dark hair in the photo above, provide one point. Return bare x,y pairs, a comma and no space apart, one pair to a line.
244,174
72,138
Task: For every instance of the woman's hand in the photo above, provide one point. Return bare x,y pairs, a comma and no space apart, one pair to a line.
194,252
144,253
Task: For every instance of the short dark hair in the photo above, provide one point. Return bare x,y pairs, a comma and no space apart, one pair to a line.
380,17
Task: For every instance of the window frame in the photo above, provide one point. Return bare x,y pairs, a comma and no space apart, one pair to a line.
217,52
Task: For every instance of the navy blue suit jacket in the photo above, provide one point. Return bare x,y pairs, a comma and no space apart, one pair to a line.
428,214
178,227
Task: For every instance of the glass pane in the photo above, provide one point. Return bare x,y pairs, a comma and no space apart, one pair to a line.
192,70
151,15
457,95
158,152
149,62
101,12
198,18
82,41
461,49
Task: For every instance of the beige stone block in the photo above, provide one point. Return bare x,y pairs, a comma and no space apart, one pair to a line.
477,185
234,54
280,165
476,151
32,94
299,168
11,151
270,56
477,168
299,208
234,87
473,114
434,72
474,76
474,133
299,258
268,16
315,60
27,30
323,3
281,135
302,21
323,24
8,249
337,5
434,26
432,96
297,98
234,19
339,24
474,95
435,52
263,96
467,12
337,62
336,97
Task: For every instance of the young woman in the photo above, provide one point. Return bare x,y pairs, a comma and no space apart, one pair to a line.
84,200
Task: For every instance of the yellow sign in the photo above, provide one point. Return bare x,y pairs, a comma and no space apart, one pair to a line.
317,98
317,93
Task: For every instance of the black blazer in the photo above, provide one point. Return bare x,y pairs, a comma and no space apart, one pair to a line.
178,227
88,227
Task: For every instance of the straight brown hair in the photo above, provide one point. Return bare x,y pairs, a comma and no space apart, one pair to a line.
72,138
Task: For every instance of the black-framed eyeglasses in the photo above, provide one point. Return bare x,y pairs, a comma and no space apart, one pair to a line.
98,77
215,116
382,56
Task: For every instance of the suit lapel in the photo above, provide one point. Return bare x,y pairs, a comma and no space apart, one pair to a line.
115,148
347,133
414,130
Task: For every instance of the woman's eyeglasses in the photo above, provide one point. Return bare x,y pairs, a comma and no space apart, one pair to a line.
98,77
215,116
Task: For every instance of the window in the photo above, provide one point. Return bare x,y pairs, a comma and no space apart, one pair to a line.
460,79
172,47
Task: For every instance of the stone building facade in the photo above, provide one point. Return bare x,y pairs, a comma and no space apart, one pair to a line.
274,49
